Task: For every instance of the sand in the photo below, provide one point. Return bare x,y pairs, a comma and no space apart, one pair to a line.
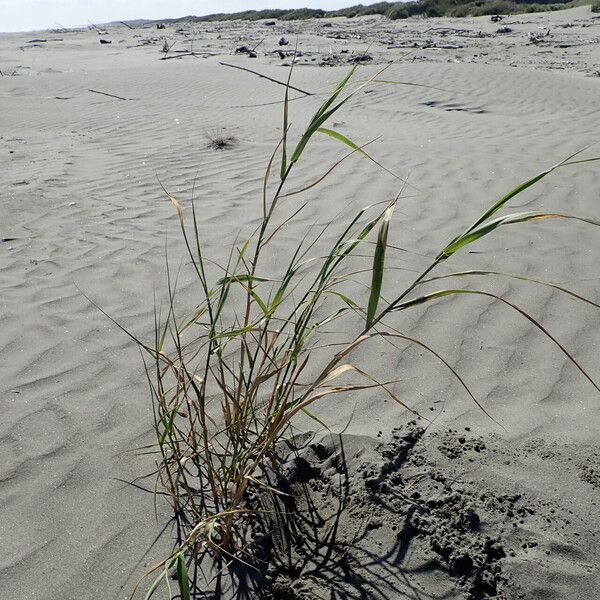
82,214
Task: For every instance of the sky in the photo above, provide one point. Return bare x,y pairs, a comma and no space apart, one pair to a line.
26,15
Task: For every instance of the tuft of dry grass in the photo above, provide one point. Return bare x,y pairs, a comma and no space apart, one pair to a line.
218,139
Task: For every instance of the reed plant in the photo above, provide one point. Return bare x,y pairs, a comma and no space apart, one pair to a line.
228,379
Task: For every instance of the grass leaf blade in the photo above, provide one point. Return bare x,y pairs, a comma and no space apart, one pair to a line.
378,264
483,230
182,578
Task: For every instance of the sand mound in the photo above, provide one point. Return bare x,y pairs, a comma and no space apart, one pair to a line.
404,519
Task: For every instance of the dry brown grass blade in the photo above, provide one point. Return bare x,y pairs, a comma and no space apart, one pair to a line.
450,292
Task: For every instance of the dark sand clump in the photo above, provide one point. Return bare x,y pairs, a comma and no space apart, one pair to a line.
405,519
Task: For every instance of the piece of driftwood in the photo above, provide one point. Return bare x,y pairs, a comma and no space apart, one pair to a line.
107,94
444,30
283,83
184,53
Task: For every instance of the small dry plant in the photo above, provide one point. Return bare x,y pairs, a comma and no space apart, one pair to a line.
220,140
225,389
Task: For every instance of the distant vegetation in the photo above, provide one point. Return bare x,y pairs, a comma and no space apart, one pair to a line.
403,10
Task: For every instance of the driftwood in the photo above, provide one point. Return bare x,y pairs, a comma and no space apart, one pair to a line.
443,47
444,30
178,55
107,94
259,43
184,53
283,83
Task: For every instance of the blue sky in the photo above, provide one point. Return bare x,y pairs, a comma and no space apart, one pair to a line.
25,15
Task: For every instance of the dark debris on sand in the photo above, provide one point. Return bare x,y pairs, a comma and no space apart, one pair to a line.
360,519
408,518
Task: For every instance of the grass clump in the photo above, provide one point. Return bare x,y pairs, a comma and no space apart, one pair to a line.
218,139
228,379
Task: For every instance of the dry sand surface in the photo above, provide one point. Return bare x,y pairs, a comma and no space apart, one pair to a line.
512,508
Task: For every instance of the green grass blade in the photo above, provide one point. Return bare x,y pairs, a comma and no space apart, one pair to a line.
193,319
155,585
182,578
521,188
341,85
378,264
345,246
345,299
479,272
168,426
244,249
259,301
286,103
314,417
325,111
500,203
318,119
332,317
342,138
281,290
481,231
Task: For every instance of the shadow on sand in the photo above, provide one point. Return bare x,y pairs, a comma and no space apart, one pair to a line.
325,536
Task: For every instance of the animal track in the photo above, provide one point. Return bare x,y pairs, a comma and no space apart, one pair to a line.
453,107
